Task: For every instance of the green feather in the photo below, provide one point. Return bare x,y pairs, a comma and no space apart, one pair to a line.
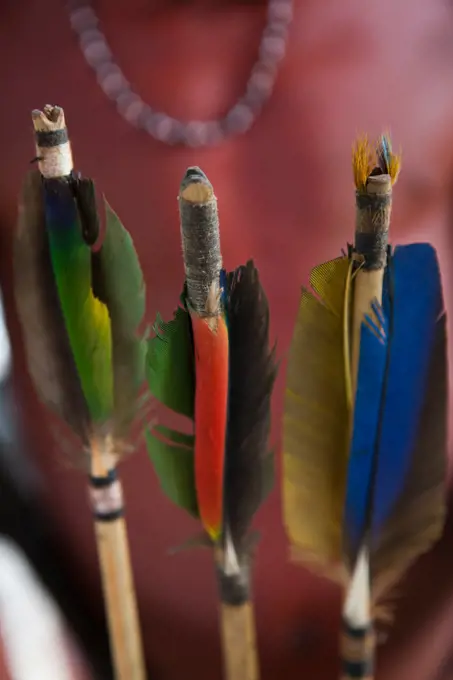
173,461
171,379
86,319
170,363
118,282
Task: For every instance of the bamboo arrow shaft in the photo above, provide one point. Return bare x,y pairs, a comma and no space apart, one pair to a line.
374,200
120,600
368,287
240,657
115,566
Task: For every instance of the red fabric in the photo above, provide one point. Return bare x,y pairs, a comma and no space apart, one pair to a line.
286,198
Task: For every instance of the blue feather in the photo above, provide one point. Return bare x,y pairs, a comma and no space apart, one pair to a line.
414,304
393,371
384,152
60,205
370,380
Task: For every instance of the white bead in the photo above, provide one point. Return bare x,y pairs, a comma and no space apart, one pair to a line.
113,83
161,126
196,133
240,118
96,52
133,111
272,47
261,83
280,10
83,18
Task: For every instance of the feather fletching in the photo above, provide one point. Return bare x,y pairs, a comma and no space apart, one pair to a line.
316,419
170,362
118,282
171,376
81,315
372,365
251,377
172,454
396,476
86,318
408,504
49,355
387,486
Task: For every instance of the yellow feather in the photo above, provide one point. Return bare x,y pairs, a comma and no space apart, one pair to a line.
316,419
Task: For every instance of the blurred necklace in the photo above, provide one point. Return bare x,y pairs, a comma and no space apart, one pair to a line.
161,126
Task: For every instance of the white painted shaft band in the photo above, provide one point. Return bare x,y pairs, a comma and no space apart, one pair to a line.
55,161
107,499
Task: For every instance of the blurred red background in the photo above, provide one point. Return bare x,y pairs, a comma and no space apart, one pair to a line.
286,199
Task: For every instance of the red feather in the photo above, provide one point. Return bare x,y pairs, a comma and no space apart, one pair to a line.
211,403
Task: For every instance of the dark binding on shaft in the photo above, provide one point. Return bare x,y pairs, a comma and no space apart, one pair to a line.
373,210
234,589
51,138
357,652
111,516
355,632
355,670
103,482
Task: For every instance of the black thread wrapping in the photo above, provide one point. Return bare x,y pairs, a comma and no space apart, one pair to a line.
200,243
354,632
234,589
372,228
364,668
373,247
109,516
51,138
373,202
103,482
358,670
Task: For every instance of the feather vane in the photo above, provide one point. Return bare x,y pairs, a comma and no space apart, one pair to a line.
80,318
246,479
316,421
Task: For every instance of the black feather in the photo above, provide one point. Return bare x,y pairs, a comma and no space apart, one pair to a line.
253,371
84,194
